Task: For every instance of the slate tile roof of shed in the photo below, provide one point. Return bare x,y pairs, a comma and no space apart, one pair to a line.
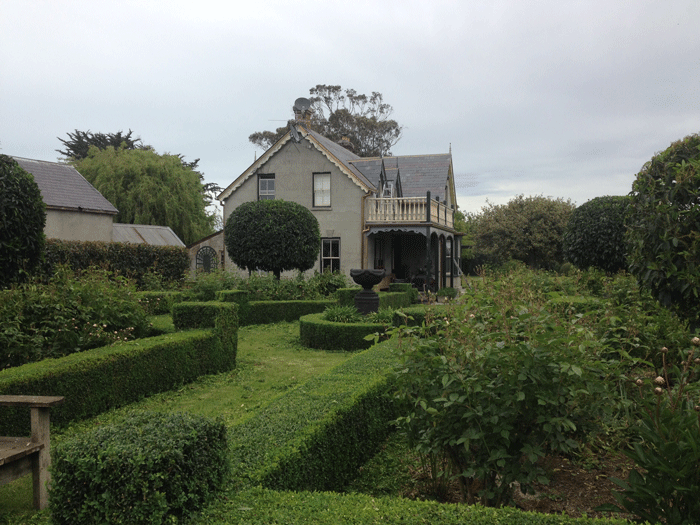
145,234
419,173
62,187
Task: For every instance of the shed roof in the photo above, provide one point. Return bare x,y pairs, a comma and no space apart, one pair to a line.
62,187
145,234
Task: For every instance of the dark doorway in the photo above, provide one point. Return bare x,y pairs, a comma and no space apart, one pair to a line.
399,270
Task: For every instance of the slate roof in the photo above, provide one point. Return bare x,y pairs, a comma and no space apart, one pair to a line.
344,156
62,187
145,234
419,173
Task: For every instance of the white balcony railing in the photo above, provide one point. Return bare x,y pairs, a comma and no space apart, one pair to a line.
408,210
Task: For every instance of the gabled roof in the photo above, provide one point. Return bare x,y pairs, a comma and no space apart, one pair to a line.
63,188
419,173
335,153
145,234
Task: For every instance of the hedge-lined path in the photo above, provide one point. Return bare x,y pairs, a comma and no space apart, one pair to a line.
270,361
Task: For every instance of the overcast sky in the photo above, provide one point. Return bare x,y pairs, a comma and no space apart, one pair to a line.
557,98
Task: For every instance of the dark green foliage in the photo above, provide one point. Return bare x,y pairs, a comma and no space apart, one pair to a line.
135,261
343,414
78,143
595,234
416,315
264,312
71,313
664,486
405,287
272,235
342,314
201,315
663,220
316,332
22,220
527,229
158,303
448,293
258,506
142,471
346,296
94,381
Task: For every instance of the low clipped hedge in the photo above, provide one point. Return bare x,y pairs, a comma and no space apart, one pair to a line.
98,380
316,332
400,295
140,471
260,506
158,303
316,436
188,315
346,296
265,312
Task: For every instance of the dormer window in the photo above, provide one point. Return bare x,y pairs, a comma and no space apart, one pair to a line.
388,190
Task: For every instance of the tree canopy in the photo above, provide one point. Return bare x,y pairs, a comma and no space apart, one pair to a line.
273,236
595,234
22,220
78,144
527,229
148,188
344,114
663,227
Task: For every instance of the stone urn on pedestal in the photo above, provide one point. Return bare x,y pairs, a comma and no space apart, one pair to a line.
367,301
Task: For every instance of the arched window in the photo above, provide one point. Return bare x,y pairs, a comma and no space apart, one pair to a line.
206,259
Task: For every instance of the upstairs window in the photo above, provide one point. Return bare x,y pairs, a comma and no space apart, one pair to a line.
322,189
266,187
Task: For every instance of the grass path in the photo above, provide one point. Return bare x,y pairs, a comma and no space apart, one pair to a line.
270,361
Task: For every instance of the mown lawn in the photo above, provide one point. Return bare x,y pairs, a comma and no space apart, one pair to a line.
270,361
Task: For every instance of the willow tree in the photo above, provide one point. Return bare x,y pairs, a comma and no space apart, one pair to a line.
148,188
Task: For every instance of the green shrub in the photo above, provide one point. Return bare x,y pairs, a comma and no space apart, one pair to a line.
417,315
664,486
346,296
200,315
205,286
448,293
158,302
663,221
595,234
142,471
71,313
343,414
134,261
264,312
316,332
94,381
342,314
22,220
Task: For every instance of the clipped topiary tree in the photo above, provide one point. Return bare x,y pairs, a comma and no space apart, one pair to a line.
22,220
273,236
663,221
595,234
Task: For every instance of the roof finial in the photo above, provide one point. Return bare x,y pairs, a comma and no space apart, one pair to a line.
450,148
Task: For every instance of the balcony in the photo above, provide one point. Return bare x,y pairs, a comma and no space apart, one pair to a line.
408,210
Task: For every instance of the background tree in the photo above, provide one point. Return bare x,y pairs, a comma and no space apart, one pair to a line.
22,220
273,236
663,220
339,114
148,188
595,234
78,143
528,229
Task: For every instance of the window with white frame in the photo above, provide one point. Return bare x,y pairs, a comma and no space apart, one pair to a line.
266,187
322,189
330,254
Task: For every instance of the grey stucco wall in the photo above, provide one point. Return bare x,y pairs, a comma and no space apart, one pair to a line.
78,226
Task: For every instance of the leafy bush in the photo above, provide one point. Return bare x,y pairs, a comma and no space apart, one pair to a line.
449,293
158,303
22,220
342,314
293,227
145,263
664,486
70,314
663,222
595,234
528,229
316,332
498,385
143,470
